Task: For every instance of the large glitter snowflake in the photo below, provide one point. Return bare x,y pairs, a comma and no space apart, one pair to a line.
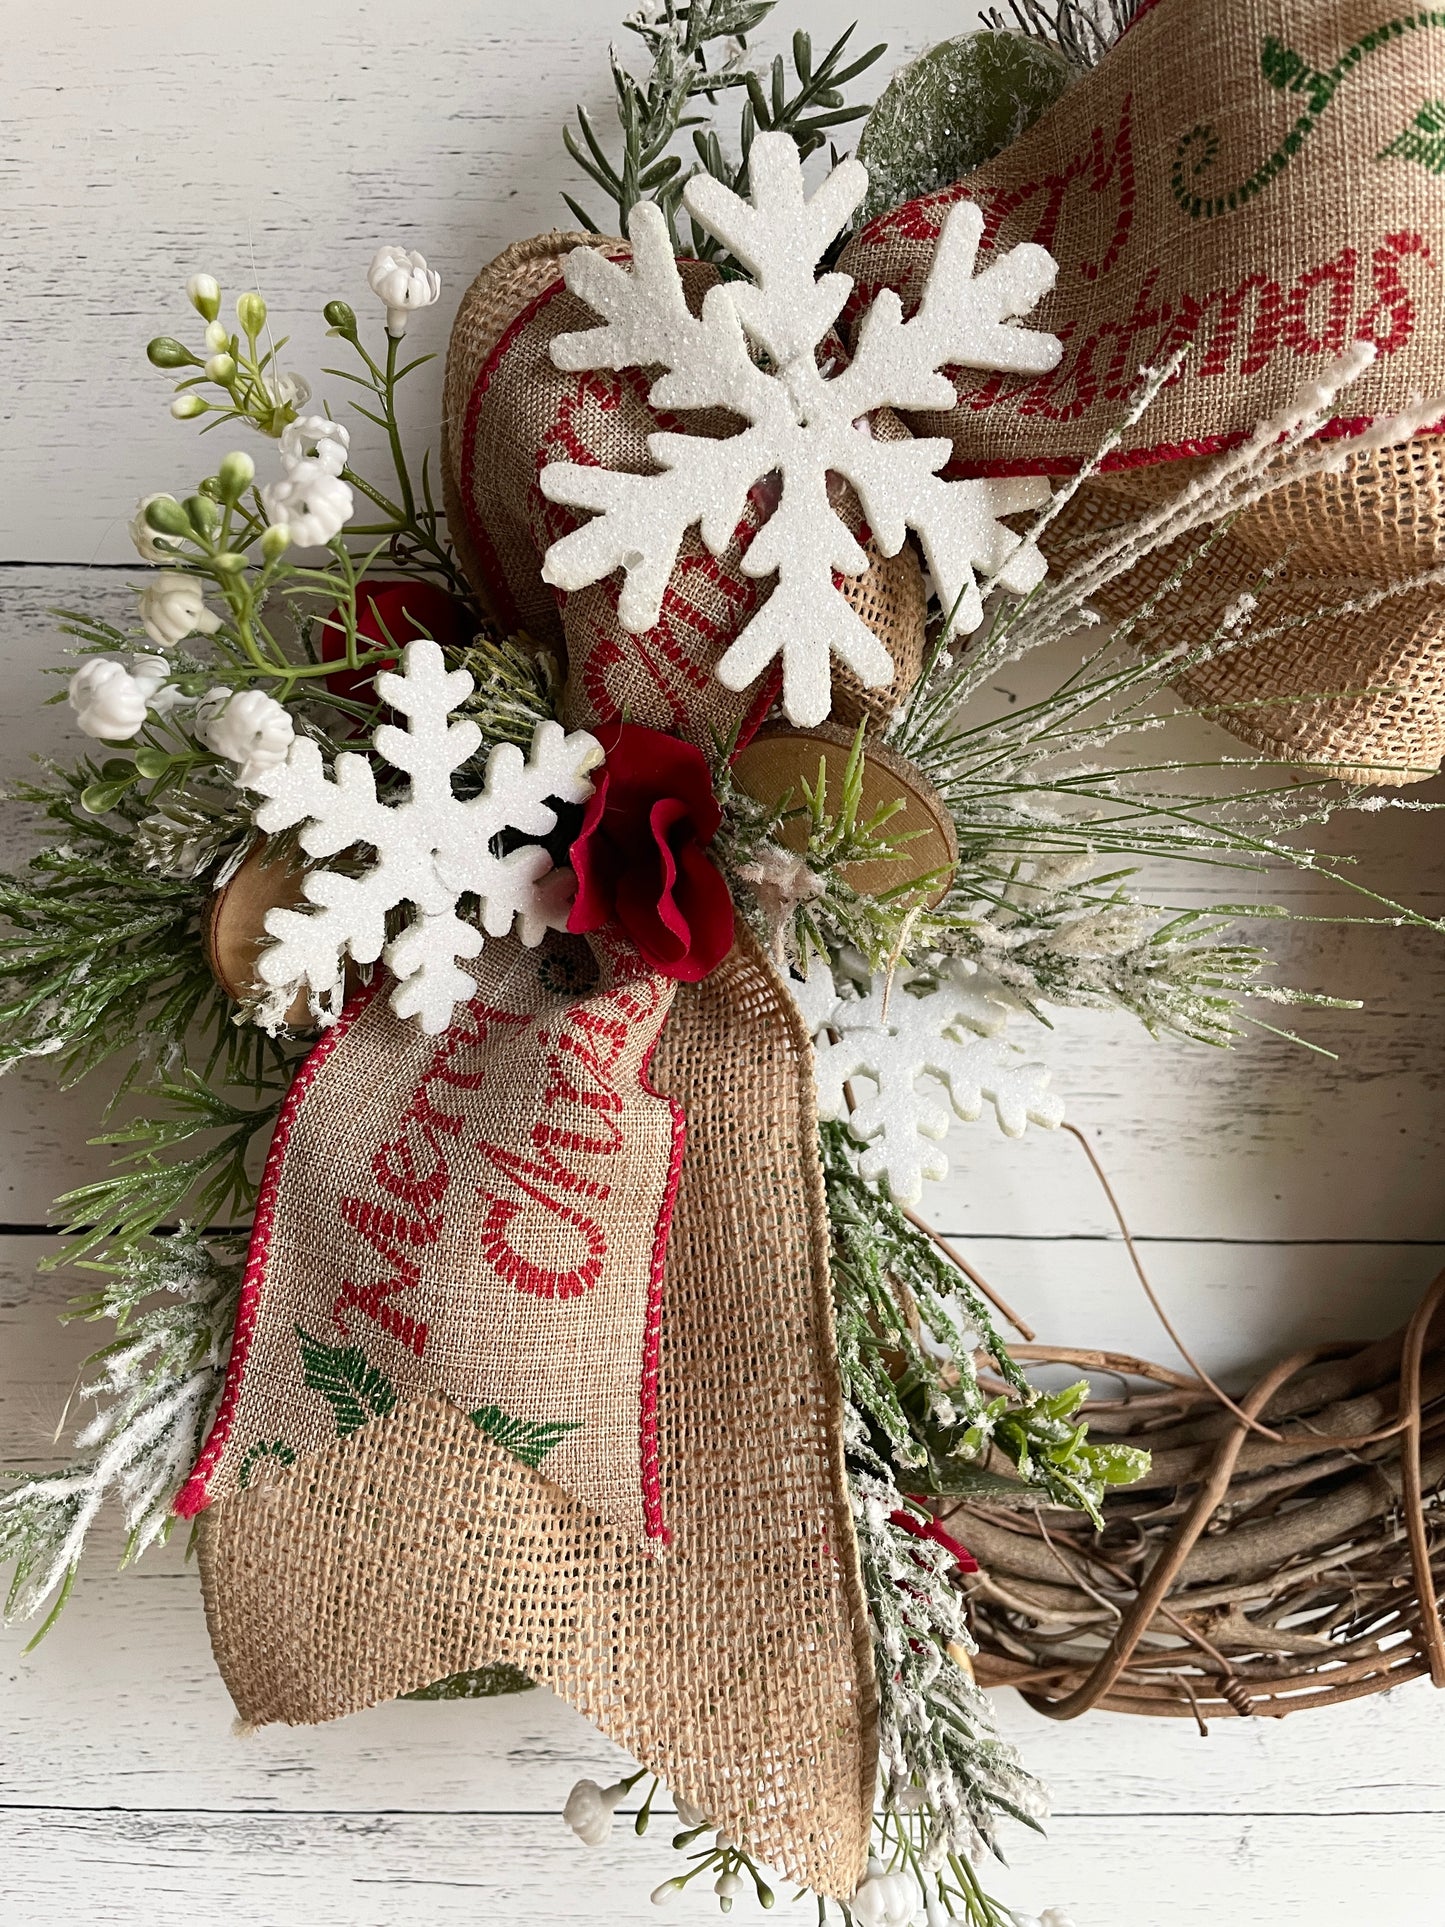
432,848
759,349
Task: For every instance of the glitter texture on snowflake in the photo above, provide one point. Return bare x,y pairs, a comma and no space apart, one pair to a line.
755,351
922,1036
432,848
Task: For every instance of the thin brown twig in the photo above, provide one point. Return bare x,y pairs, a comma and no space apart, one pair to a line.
957,1259
1431,1634
1239,1412
1155,1587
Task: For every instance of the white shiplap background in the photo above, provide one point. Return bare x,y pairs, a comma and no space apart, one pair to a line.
1283,1195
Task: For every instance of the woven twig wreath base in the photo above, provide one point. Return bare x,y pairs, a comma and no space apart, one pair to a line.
1286,1559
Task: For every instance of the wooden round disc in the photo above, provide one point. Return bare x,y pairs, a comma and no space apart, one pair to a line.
270,878
777,761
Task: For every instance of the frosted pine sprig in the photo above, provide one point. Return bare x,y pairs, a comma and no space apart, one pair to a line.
936,1733
155,1388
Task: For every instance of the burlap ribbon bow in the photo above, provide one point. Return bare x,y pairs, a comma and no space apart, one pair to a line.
535,1358
535,1362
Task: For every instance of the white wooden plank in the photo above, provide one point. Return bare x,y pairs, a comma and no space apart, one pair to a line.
133,158
1284,1869
397,1869
1379,1755
382,1869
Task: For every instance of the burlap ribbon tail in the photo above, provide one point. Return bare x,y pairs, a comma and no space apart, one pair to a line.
535,1362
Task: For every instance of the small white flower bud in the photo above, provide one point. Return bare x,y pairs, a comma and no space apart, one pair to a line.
217,336
401,278
249,728
235,475
315,438
251,313
221,368
172,607
110,694
275,542
144,536
186,407
204,294
590,1808
314,505
107,703
288,391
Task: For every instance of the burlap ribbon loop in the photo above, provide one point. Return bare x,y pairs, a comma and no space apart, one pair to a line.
508,412
1261,181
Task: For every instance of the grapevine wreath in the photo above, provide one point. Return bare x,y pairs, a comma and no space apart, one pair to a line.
591,872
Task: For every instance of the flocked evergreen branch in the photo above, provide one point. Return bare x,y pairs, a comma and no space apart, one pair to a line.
1052,931
943,1764
1042,803
100,948
1082,30
148,1186
909,1324
652,112
517,686
155,1388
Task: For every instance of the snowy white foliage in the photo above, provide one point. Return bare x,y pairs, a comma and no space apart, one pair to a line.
432,847
156,1390
895,1038
755,351
936,1733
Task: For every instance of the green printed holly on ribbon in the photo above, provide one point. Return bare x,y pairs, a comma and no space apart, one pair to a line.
358,1391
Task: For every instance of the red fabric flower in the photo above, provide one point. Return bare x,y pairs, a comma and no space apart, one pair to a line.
641,854
917,1528
387,611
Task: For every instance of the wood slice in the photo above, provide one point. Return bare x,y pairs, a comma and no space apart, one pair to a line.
270,878
778,761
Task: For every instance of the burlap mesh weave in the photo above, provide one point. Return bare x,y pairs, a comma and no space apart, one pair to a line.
478,1214
1260,180
737,1664
1361,694
508,411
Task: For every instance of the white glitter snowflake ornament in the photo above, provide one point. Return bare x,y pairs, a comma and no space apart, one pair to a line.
755,351
927,1036
432,847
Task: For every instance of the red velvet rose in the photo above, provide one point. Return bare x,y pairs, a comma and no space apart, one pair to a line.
641,855
392,611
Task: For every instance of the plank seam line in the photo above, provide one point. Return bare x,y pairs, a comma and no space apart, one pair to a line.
551,1813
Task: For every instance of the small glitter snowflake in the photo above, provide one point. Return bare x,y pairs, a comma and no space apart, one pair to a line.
755,351
892,1040
432,848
